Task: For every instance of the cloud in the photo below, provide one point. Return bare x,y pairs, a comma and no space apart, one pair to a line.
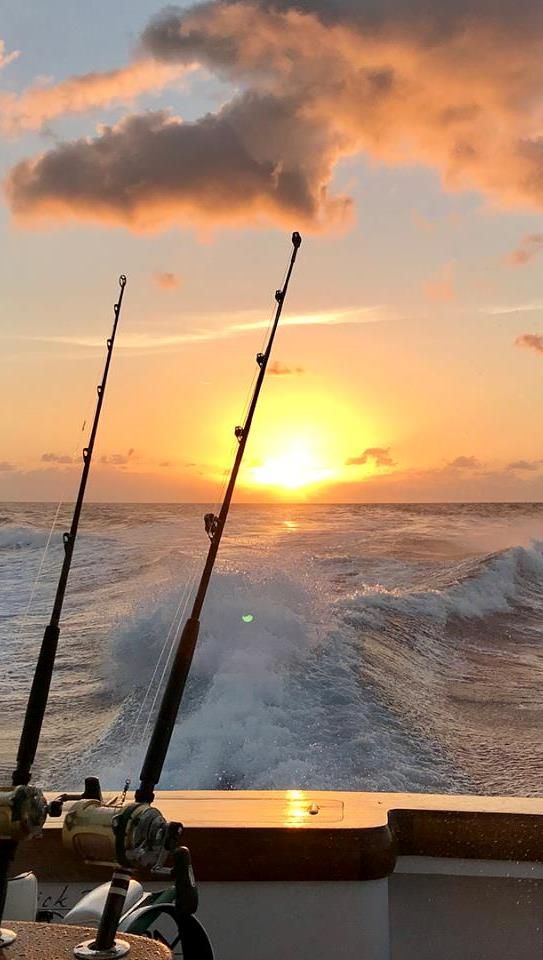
117,459
166,281
380,456
498,309
229,325
533,341
529,465
6,467
529,247
440,288
153,169
7,58
422,223
454,86
278,369
40,102
464,463
56,458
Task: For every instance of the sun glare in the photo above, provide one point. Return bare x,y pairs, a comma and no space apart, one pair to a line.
295,468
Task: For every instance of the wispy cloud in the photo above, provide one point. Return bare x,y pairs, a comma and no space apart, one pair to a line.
528,248
42,102
227,325
6,467
7,58
506,308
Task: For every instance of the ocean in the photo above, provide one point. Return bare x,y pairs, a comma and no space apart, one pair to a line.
351,647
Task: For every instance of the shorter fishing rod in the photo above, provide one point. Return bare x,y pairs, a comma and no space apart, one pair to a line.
39,693
214,525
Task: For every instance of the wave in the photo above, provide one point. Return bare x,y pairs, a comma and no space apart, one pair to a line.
14,537
272,703
472,589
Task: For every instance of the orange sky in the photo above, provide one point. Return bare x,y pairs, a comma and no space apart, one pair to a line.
410,359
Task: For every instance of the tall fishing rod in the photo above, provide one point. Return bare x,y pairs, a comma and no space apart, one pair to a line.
39,693
214,525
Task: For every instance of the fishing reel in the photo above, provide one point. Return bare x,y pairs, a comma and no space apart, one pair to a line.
135,835
23,812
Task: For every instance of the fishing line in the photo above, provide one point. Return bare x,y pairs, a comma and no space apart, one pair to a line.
76,448
226,471
177,616
181,608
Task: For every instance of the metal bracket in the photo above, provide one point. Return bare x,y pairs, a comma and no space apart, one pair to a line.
279,296
261,359
211,523
239,433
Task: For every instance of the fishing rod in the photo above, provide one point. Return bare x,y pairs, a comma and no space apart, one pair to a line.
136,835
39,693
214,525
23,808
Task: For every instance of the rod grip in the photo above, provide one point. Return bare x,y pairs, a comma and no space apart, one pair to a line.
37,703
167,715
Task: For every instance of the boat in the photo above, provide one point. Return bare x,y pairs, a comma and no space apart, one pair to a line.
292,873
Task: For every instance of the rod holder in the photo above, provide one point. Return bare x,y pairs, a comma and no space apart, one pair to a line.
7,937
87,950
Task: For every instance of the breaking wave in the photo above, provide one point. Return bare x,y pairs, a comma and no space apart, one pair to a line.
19,537
472,589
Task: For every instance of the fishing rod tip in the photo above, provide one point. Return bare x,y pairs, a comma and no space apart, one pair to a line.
296,239
122,280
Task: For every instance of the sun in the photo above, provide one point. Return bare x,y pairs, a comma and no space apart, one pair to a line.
294,468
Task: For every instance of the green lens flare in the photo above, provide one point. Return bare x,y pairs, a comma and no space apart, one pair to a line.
247,618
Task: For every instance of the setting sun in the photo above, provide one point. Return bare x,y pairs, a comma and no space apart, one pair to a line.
296,467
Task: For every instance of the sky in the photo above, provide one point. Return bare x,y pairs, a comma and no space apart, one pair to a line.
182,146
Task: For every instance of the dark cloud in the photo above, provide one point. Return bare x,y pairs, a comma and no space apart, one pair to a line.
379,455
528,248
278,369
532,341
117,459
529,465
56,458
161,170
166,281
452,85
465,463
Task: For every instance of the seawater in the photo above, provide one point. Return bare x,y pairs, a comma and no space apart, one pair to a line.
356,647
